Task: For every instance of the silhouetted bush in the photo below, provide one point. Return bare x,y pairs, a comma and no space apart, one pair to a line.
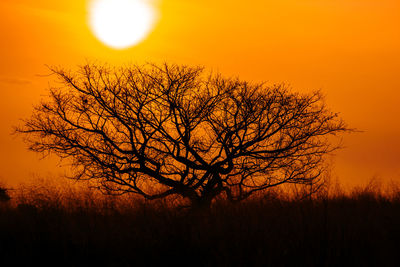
4,196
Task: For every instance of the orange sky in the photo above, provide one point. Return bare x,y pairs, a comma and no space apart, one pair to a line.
348,48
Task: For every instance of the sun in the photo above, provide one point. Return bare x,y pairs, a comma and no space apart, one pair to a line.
121,23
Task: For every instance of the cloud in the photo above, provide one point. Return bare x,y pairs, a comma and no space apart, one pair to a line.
10,80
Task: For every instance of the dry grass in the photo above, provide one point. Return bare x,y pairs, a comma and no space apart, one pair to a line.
74,226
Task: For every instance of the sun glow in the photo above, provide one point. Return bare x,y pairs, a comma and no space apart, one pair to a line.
121,23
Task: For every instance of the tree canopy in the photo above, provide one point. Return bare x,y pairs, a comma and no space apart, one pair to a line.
160,130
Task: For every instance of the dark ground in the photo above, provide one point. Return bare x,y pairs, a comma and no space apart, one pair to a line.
361,229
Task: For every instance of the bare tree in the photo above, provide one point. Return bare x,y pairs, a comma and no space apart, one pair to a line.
161,130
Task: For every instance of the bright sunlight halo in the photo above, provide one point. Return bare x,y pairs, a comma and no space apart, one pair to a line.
121,23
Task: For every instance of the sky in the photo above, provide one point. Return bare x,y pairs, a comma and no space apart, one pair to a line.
349,49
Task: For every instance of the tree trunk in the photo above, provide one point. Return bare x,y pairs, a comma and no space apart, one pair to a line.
201,204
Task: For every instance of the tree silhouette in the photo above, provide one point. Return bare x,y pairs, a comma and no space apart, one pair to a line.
161,130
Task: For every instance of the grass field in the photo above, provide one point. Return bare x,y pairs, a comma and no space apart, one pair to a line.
48,225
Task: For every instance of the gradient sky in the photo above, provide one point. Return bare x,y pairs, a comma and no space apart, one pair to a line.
350,49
